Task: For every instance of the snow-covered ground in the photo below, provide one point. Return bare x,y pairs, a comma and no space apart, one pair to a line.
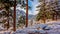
49,28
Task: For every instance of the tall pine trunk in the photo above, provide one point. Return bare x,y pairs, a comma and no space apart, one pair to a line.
44,20
26,13
53,17
14,18
8,19
56,17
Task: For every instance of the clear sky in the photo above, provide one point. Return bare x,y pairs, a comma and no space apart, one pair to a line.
33,5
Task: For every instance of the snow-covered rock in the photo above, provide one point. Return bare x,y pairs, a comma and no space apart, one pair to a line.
30,31
48,28
43,25
42,31
1,28
20,31
7,32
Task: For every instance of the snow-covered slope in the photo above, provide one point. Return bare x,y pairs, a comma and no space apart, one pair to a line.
19,13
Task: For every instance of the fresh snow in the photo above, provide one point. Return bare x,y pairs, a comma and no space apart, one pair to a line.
51,28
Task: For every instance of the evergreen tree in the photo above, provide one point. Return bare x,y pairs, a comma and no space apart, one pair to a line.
44,11
48,10
6,4
22,20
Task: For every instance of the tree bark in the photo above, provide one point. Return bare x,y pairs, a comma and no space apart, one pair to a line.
26,13
8,20
56,17
14,18
53,17
44,19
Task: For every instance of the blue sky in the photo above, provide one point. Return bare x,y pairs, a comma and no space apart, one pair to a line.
33,5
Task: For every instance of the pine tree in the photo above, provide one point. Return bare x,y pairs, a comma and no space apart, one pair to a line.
48,9
22,20
6,4
44,11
